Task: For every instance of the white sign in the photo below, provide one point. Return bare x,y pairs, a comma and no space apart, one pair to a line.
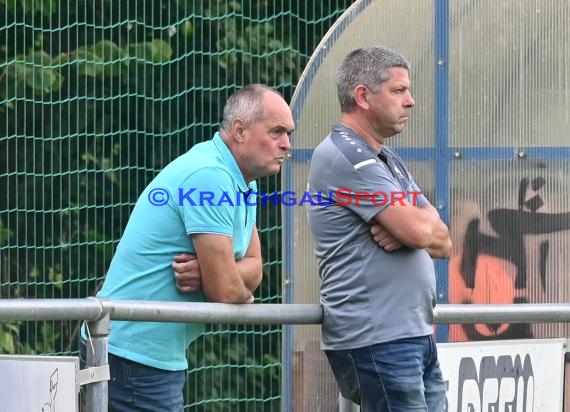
39,383
499,376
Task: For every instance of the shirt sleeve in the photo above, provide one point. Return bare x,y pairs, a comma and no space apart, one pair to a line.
419,198
415,195
207,200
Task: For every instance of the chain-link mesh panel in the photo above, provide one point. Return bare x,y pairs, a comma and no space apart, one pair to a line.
95,98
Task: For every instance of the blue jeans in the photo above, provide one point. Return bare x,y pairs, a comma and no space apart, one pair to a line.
397,376
135,387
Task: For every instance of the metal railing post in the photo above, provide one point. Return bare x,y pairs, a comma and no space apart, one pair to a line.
97,395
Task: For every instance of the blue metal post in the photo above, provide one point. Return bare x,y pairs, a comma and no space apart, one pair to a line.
442,142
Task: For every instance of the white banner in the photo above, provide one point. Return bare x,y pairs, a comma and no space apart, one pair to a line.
504,376
39,383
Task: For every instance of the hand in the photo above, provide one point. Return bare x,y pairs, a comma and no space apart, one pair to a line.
383,238
187,273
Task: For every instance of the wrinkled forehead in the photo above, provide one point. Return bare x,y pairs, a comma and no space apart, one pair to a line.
276,111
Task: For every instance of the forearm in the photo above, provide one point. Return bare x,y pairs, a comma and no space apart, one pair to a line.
227,287
239,292
440,244
221,279
250,271
411,226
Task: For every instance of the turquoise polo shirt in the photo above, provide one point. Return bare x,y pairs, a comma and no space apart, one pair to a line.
202,191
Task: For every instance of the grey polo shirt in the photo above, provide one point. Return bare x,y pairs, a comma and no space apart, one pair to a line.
369,296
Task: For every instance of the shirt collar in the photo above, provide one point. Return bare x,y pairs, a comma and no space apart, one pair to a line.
230,161
342,127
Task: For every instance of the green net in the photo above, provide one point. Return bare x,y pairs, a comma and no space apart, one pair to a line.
95,98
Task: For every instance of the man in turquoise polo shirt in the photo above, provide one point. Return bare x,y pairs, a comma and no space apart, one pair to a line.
200,208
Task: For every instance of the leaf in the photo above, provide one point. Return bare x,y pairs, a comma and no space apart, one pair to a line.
108,51
12,327
60,59
39,58
187,29
34,273
44,80
87,62
161,50
89,157
5,234
7,343
154,51
17,70
141,51
48,7
111,55
35,70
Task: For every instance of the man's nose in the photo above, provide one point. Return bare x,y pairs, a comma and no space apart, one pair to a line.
410,102
286,143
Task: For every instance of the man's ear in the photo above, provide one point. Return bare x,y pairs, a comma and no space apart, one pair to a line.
238,129
360,96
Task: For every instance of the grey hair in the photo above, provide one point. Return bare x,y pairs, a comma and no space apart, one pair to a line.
366,66
245,104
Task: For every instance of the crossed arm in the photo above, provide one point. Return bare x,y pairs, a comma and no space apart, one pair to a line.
225,280
215,271
419,228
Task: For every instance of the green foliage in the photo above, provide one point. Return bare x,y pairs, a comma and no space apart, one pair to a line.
35,70
42,73
222,380
9,334
31,7
95,98
13,341
5,234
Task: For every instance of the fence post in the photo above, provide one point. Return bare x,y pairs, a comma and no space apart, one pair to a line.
97,396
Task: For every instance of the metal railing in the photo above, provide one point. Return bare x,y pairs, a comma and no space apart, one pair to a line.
99,312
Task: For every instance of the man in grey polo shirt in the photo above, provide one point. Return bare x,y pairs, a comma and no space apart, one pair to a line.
374,244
